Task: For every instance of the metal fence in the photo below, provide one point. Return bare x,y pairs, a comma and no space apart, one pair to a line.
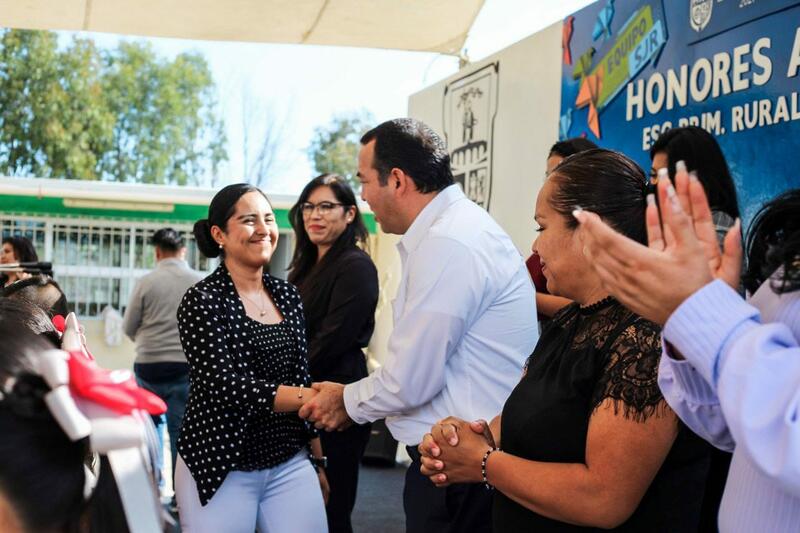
96,262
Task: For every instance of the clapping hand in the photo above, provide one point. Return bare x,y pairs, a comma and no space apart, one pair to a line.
682,253
453,450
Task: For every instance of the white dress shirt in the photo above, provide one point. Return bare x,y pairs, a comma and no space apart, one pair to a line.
464,323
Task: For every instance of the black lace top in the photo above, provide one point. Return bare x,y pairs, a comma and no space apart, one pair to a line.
584,357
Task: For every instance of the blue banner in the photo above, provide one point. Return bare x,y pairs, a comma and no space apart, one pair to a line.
635,68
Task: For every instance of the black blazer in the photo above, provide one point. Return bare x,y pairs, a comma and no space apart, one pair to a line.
339,298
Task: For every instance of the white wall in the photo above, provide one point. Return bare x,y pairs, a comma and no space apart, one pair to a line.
525,127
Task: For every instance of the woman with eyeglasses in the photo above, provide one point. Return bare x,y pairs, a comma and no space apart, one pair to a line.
338,284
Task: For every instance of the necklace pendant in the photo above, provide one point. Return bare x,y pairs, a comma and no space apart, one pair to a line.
262,313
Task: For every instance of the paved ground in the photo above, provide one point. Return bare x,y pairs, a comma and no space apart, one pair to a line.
379,507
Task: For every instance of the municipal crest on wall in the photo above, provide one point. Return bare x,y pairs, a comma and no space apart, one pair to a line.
470,107
700,13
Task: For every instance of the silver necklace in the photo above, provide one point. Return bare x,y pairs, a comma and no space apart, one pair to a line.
261,310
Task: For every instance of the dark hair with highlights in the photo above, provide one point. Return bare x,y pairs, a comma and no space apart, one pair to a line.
773,243
702,154
28,316
305,252
604,182
222,207
413,147
42,291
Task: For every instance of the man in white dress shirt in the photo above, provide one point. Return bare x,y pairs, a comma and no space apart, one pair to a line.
464,317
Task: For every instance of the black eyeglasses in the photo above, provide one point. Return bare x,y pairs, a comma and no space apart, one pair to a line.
323,207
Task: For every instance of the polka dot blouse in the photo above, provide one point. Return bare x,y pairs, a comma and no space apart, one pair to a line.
236,365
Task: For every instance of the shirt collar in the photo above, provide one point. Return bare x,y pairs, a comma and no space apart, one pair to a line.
171,261
425,219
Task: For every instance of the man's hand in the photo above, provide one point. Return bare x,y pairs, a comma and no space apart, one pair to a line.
326,409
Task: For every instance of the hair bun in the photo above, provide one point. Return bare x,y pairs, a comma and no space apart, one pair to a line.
205,242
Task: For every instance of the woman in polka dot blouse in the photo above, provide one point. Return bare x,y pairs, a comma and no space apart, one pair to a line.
243,454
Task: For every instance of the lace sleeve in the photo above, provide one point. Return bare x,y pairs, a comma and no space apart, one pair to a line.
630,374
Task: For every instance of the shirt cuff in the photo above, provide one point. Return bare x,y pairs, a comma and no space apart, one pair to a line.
350,397
689,381
704,322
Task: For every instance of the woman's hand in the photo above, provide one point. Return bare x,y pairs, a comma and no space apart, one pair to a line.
324,485
682,256
453,451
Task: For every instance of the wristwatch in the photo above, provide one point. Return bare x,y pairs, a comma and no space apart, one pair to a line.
318,462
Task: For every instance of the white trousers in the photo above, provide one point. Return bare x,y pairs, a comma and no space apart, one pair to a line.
283,499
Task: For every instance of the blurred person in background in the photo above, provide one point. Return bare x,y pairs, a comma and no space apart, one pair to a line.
16,249
702,156
151,322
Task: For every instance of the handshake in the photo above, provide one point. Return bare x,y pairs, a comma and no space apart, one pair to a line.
455,450
325,407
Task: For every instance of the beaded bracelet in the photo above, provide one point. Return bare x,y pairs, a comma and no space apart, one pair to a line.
483,467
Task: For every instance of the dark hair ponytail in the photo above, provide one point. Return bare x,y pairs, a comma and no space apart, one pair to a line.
604,182
222,207
205,242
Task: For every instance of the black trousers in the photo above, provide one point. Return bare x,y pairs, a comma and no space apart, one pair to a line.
459,508
344,450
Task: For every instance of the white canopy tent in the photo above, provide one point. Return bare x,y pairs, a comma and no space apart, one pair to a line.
418,25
